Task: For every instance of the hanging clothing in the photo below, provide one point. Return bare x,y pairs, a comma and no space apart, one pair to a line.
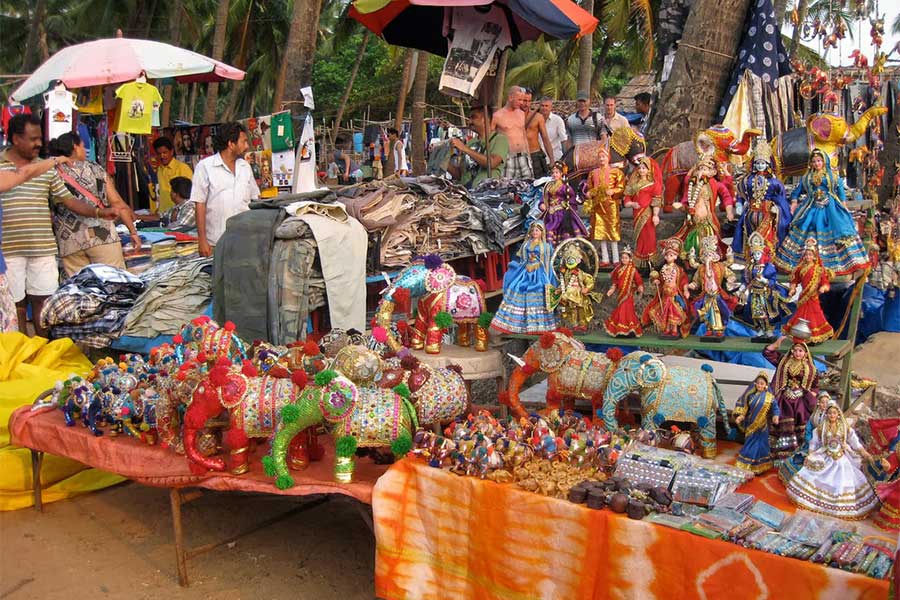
136,111
478,33
281,132
60,107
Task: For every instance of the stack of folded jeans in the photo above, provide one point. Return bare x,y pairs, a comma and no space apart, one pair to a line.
176,292
92,305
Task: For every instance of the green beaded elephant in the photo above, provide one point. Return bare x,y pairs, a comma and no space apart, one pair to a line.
357,416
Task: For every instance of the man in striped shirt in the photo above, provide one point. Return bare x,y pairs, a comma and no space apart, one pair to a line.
28,243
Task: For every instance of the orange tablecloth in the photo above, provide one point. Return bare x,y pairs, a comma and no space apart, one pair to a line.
439,536
46,431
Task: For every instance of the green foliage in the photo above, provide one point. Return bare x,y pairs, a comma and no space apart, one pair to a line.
485,318
345,446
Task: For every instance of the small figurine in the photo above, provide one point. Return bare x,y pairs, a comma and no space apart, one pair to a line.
823,218
762,295
626,281
643,195
603,188
668,309
766,209
809,279
752,413
794,385
575,296
525,307
715,303
560,208
886,471
788,468
702,194
831,482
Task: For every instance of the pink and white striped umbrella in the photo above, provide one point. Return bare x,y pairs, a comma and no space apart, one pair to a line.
117,60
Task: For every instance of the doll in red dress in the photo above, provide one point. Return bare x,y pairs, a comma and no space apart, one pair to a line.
813,279
668,309
625,281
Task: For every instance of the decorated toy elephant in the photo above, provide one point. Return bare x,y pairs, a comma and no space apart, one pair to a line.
204,340
439,394
253,403
444,298
572,372
625,146
358,416
720,142
791,149
672,393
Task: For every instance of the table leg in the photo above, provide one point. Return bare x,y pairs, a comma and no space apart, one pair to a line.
176,501
37,459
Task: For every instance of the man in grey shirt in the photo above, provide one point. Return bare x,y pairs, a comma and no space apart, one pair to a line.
584,125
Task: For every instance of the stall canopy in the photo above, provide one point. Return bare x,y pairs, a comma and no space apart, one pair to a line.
420,24
117,60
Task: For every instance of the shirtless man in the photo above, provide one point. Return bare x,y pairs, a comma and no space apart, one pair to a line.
535,127
510,121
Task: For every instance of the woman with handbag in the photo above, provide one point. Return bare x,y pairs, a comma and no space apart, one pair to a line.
87,240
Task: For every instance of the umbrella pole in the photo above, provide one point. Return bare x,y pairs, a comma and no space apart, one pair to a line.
487,150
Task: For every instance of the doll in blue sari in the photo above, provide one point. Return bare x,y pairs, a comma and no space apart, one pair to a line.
524,308
823,217
752,413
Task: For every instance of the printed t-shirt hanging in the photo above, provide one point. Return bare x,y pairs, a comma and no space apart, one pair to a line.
477,35
59,104
282,132
90,100
136,111
11,110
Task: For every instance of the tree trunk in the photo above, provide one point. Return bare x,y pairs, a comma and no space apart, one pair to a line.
175,38
36,38
585,54
404,86
780,10
891,148
360,53
500,79
192,103
212,89
690,98
802,6
418,115
240,63
601,62
300,52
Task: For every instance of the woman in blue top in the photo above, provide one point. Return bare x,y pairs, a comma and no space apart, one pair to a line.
823,217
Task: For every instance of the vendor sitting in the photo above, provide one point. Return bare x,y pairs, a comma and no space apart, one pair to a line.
471,167
180,216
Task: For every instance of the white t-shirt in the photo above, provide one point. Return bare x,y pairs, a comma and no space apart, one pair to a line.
556,129
477,35
400,157
59,105
224,193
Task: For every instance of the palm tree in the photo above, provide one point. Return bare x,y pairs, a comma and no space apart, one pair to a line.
420,88
627,22
404,87
550,68
586,53
360,53
297,64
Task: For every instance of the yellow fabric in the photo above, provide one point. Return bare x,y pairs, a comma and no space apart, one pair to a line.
165,174
28,366
369,6
136,108
737,118
94,104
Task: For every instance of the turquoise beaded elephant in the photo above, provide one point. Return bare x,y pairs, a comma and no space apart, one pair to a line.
673,393
357,416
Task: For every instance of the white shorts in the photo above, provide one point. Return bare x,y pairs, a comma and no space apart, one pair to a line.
33,275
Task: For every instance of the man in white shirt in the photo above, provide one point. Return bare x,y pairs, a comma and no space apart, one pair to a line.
556,128
223,185
613,119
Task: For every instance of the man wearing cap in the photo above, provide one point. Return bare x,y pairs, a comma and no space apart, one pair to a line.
584,125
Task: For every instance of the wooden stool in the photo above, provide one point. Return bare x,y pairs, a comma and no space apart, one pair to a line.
475,366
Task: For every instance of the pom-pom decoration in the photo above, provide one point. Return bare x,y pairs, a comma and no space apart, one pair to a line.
547,340
178,339
432,261
402,389
401,298
706,367
268,464
300,378
290,413
310,348
379,334
401,445
284,482
229,326
345,446
443,319
218,375
614,354
485,318
323,378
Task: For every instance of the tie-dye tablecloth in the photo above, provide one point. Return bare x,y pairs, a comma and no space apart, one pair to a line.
443,536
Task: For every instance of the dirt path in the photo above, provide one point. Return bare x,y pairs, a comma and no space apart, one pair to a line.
118,543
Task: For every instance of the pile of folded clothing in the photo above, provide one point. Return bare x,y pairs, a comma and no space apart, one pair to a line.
91,306
176,291
296,274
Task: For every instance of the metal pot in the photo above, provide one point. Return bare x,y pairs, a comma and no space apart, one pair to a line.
801,330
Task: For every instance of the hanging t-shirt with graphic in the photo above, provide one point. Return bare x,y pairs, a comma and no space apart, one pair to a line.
282,132
136,110
59,104
478,33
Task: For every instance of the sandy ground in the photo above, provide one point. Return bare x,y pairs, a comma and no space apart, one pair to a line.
118,543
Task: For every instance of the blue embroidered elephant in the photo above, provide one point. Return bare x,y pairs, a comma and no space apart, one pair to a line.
667,394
